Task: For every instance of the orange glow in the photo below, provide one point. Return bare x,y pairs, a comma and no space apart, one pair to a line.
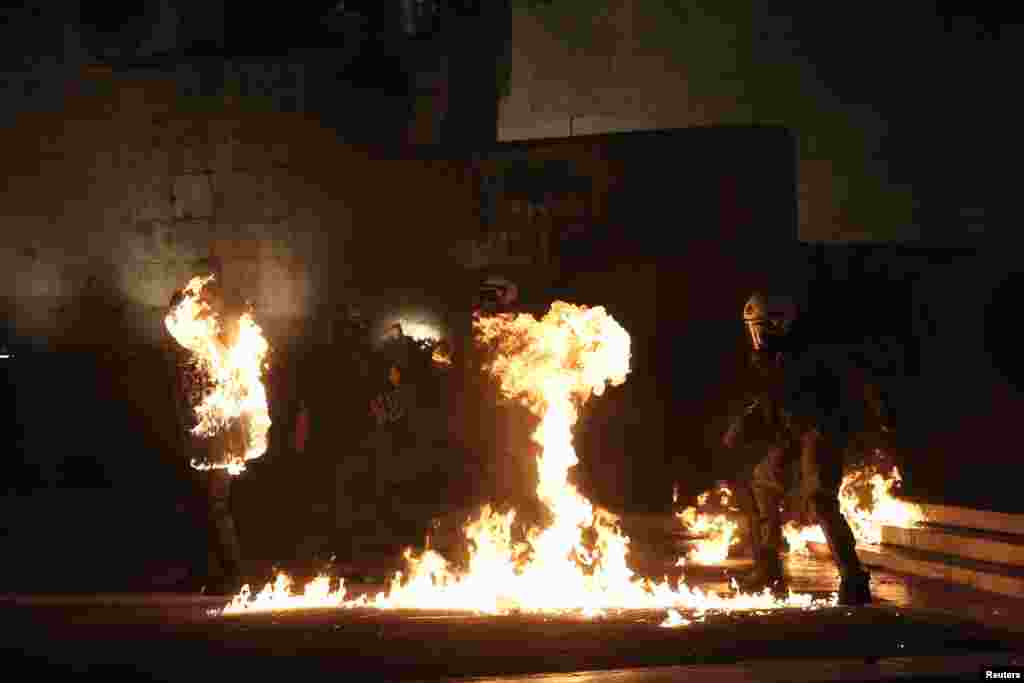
234,363
577,563
882,508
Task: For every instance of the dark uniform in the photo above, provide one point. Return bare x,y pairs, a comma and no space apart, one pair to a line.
394,432
393,447
807,410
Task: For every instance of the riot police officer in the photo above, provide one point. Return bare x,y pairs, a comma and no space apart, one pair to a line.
802,406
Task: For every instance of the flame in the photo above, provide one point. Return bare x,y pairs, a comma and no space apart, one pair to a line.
441,355
717,531
577,562
234,363
419,331
278,596
866,519
799,536
675,619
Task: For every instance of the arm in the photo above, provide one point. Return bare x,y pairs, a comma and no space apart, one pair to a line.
741,423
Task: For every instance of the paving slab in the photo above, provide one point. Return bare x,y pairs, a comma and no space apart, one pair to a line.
969,518
370,645
983,576
966,668
915,624
985,546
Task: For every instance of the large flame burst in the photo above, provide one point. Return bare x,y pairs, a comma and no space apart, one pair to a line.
578,562
233,360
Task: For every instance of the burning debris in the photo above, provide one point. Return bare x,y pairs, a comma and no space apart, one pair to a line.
231,359
577,562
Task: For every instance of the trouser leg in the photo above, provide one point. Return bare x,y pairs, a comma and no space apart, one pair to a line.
821,468
226,546
748,507
768,488
766,526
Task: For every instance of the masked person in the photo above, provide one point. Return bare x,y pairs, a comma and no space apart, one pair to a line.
390,409
222,575
396,461
497,295
802,408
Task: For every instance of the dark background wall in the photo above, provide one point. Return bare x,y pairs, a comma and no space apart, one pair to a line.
903,140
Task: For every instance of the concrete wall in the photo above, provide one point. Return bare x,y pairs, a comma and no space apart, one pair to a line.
126,189
580,68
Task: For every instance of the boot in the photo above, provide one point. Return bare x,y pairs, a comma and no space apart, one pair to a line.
854,586
767,573
855,589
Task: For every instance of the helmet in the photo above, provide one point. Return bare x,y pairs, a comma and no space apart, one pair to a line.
497,292
768,320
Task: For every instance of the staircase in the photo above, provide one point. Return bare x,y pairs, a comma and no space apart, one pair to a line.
976,548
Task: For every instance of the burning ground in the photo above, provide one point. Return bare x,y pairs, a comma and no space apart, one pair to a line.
577,562
866,497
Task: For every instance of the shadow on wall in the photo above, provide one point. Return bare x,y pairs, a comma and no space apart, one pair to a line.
102,395
94,317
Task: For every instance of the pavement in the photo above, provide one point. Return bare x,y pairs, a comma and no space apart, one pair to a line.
917,628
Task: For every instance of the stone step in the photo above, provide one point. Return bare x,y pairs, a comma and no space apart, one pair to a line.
990,577
968,518
984,546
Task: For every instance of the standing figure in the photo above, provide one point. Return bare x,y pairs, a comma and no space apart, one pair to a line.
804,405
223,572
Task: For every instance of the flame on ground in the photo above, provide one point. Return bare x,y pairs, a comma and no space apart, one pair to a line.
233,360
279,596
442,355
576,563
797,537
716,531
674,620
867,501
